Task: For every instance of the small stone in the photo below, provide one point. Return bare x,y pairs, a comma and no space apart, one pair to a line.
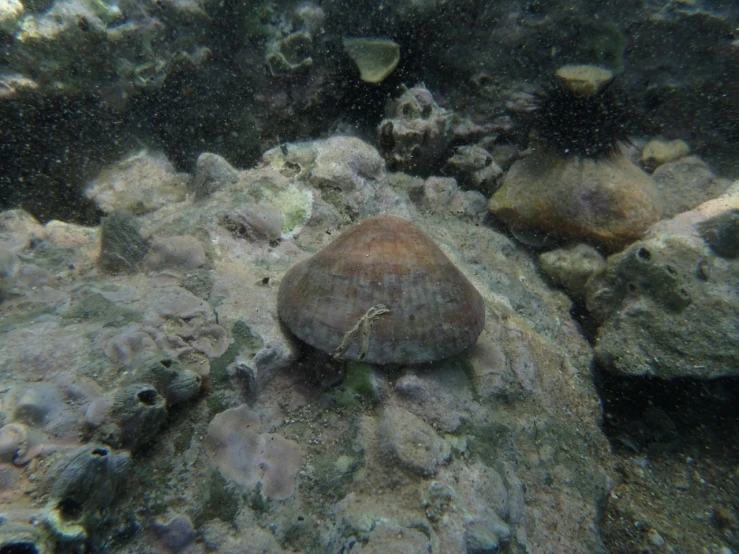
411,442
486,537
654,538
212,172
343,464
721,232
175,253
254,222
174,535
660,151
572,267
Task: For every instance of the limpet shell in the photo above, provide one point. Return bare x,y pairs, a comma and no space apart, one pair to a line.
382,292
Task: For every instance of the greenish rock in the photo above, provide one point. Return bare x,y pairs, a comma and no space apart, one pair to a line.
571,267
722,233
85,485
138,411
122,248
666,309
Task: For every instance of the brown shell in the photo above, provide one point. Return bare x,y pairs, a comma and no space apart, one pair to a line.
435,312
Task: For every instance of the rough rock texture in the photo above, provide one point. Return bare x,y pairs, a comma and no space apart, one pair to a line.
572,267
412,443
608,202
667,305
686,183
512,426
136,185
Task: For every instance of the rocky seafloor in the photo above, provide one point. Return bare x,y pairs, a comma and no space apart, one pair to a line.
152,401
166,162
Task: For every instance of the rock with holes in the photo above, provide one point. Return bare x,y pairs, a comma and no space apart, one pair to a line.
667,306
128,417
85,484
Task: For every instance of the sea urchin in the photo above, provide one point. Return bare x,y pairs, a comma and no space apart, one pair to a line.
582,112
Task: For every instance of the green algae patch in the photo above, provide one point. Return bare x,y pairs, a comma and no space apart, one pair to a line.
360,384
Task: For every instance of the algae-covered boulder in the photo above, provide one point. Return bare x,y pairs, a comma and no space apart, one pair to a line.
604,201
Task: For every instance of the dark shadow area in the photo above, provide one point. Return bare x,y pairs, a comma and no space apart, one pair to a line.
675,459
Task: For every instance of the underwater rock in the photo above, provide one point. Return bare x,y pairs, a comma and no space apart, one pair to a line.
391,538
350,175
256,372
247,458
122,249
376,59
130,344
659,151
13,442
382,292
487,537
24,538
722,233
571,267
32,404
606,201
128,417
9,265
666,302
686,183
181,253
442,397
309,17
173,535
86,483
347,163
416,134
174,382
212,172
442,194
254,222
475,168
142,183
411,443
186,322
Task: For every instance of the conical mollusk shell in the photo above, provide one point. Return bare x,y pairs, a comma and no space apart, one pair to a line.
382,292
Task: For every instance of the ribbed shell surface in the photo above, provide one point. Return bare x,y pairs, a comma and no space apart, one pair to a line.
435,312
